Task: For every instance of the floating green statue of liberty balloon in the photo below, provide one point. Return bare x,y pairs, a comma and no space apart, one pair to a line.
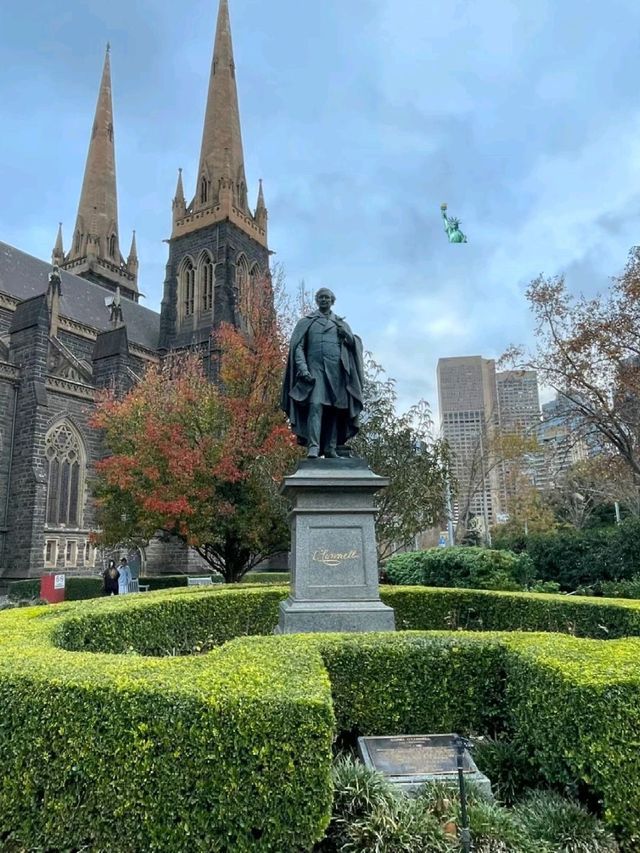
452,227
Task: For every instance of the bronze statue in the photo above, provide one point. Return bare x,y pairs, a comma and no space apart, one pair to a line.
322,390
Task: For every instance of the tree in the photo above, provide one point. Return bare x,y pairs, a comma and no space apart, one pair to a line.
492,461
401,447
200,460
589,351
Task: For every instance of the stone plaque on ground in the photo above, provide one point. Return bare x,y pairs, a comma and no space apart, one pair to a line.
412,760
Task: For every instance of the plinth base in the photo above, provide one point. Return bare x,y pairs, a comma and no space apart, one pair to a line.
301,617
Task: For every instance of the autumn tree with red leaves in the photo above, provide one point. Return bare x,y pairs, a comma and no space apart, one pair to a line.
203,460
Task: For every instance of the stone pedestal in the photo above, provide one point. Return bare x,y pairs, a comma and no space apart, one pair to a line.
334,565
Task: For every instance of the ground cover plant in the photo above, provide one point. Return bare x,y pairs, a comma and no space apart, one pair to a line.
232,749
370,815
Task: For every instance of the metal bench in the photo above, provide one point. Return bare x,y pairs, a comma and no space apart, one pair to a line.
134,586
199,581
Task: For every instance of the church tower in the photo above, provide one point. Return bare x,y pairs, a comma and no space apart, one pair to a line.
95,248
218,253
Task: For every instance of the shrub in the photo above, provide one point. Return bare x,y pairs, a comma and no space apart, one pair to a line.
576,559
270,578
226,751
425,609
575,705
621,589
467,567
178,622
232,748
430,684
563,824
27,590
505,762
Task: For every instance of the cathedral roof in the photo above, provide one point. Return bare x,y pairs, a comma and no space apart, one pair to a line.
23,276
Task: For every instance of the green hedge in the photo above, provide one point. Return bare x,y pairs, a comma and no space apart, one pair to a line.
581,558
198,619
426,609
274,578
231,750
575,707
466,567
226,751
82,588
178,622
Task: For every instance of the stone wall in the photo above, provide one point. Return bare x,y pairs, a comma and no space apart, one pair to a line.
225,242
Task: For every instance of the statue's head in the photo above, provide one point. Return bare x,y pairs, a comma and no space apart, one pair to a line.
325,298
455,223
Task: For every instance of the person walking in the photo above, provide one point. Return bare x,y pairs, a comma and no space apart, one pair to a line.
125,577
111,577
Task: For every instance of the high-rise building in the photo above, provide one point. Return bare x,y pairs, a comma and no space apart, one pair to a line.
469,413
518,401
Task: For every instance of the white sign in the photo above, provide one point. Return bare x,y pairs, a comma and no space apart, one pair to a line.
58,582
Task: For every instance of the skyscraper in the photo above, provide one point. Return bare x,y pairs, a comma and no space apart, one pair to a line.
469,413
518,401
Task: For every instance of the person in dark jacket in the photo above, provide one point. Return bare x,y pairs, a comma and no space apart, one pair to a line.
111,576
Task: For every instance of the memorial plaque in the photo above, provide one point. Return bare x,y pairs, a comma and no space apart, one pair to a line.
412,760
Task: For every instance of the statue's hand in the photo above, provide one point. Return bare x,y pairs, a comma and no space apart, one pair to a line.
304,374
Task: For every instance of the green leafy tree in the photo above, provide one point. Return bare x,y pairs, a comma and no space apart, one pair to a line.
402,448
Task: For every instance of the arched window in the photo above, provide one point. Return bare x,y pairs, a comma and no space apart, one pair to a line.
65,457
78,242
188,287
203,190
242,286
112,246
205,269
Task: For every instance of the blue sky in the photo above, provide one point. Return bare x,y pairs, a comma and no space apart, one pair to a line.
361,116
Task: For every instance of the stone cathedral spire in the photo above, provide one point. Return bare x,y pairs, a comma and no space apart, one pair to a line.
221,185
95,247
218,253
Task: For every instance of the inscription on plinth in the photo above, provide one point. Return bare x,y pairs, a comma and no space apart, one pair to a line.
334,577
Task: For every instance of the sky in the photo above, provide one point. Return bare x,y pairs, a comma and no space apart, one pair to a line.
362,117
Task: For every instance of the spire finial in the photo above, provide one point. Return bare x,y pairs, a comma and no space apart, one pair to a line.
221,132
57,256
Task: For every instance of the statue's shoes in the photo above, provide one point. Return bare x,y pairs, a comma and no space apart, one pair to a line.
330,454
313,453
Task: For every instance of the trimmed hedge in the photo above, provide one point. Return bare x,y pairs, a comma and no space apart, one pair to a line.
197,619
461,567
82,588
225,751
231,750
274,578
426,609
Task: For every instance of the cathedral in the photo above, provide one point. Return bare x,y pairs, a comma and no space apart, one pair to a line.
75,325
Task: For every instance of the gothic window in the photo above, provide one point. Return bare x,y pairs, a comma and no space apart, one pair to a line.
242,286
77,242
188,287
112,246
65,460
203,190
206,282
51,552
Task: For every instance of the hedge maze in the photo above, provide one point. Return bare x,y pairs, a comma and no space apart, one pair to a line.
166,722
